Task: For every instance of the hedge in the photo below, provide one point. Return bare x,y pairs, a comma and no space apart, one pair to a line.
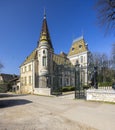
68,88
101,84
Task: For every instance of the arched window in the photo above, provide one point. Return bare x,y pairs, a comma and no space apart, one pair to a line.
44,60
43,51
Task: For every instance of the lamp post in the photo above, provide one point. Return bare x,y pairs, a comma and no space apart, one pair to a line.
77,78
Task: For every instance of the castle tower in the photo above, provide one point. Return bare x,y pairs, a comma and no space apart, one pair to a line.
45,56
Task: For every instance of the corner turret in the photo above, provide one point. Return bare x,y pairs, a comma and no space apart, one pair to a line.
44,35
45,56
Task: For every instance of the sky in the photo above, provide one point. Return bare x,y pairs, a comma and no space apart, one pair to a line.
21,21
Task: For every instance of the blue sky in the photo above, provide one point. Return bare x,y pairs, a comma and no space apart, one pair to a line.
21,21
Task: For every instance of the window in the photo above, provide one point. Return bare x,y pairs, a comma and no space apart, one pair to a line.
44,60
30,80
72,48
80,46
84,59
25,68
67,81
39,55
29,67
60,81
43,51
25,81
21,70
22,81
81,59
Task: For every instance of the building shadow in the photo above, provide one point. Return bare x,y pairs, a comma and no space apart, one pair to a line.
13,102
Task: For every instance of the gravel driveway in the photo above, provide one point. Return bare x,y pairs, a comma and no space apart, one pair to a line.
31,112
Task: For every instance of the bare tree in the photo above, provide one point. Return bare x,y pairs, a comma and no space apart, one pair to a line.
112,61
102,61
113,56
106,14
1,66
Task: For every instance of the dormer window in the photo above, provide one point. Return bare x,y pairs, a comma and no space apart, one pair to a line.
72,48
80,46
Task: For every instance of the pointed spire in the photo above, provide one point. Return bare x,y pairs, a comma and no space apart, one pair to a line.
44,35
44,13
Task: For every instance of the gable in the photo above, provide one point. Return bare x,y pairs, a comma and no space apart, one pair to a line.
78,46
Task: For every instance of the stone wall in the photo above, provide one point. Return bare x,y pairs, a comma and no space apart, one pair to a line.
100,95
42,91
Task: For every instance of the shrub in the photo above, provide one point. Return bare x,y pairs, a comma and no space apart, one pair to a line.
68,88
3,88
86,86
104,84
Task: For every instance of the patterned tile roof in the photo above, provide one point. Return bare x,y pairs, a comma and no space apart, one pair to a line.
58,59
78,46
31,57
61,60
7,77
44,35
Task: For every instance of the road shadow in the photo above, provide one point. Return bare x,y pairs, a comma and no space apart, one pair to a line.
13,102
5,95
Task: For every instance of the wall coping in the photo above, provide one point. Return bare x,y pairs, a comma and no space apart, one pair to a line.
112,91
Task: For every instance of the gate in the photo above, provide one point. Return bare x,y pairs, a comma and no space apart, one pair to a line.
80,94
56,89
79,77
69,76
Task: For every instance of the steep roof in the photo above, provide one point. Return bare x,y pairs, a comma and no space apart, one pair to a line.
78,46
31,57
44,35
61,60
62,54
7,77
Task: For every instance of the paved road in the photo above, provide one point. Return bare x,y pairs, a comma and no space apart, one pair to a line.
30,112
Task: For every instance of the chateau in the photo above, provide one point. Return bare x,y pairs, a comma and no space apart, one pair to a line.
43,70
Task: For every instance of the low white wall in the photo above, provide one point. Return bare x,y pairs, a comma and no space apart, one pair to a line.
100,95
42,91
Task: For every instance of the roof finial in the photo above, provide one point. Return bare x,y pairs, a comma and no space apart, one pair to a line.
44,13
82,31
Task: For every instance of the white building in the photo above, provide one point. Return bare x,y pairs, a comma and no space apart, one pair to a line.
79,53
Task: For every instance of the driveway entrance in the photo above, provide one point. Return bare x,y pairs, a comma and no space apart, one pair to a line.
30,112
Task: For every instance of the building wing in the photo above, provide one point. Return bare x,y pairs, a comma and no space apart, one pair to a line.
7,77
78,47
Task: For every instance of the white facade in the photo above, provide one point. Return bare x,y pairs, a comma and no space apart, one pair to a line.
27,77
79,53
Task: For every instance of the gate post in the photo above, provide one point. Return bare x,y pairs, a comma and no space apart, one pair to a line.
77,78
95,77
